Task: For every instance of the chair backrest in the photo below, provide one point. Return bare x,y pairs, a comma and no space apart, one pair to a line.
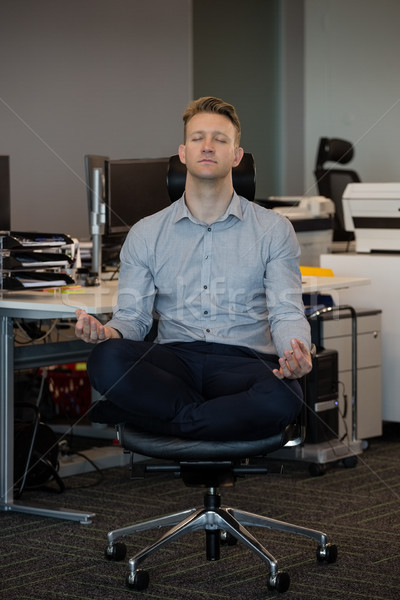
244,177
332,182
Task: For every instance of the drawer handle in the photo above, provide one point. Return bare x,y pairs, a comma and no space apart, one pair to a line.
375,334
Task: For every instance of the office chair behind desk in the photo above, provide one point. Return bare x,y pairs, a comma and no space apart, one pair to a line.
332,182
243,177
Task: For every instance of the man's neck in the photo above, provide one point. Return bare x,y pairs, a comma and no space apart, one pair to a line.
208,200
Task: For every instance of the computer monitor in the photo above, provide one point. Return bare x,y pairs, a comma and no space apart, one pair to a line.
135,188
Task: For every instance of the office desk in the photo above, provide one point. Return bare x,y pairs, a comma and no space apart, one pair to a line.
46,305
38,305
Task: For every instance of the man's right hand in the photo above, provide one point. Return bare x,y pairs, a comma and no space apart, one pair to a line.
90,330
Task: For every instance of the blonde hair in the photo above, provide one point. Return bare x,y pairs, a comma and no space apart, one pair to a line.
210,104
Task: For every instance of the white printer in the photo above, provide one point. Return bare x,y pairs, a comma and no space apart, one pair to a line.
311,217
303,207
372,211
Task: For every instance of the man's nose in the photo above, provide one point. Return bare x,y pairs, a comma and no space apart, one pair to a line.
208,145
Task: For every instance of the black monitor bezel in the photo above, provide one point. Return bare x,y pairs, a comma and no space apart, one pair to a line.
111,165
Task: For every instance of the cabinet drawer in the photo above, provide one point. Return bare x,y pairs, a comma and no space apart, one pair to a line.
337,335
337,327
368,350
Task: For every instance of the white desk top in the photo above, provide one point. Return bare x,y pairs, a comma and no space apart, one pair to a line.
95,300
101,299
313,284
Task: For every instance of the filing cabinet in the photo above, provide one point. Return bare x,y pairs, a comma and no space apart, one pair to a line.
336,334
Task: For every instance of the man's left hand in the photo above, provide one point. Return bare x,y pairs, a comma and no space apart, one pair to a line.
294,363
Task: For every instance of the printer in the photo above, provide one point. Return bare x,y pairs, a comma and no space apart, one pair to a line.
303,207
311,217
372,211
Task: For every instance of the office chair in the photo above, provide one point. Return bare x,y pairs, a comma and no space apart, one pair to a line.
210,465
244,177
332,182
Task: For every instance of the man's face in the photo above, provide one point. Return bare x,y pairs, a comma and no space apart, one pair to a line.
210,150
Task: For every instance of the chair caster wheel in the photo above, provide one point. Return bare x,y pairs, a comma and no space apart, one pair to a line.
227,538
327,554
138,581
317,469
350,462
280,582
115,552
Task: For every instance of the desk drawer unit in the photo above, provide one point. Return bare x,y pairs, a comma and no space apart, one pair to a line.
336,334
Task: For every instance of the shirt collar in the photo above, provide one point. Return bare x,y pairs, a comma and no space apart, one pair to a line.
234,208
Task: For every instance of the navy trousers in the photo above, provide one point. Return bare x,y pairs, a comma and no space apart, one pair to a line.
195,390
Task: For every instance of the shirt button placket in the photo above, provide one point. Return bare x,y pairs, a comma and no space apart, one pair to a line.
206,276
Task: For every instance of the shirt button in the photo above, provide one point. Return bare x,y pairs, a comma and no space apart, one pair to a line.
208,330
204,287
206,312
208,228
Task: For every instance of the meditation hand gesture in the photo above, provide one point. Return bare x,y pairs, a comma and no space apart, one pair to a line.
89,329
294,363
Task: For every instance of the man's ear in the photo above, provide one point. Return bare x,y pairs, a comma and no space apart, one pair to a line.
182,153
238,156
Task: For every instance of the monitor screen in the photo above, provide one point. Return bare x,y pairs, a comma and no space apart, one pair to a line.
135,188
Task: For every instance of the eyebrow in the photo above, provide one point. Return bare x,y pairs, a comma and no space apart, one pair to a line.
202,131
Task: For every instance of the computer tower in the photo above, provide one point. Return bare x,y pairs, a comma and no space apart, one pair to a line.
5,218
321,398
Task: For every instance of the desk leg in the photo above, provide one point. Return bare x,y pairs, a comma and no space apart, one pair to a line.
6,411
7,502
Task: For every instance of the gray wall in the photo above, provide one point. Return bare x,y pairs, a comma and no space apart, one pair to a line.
298,70
94,76
352,83
81,77
251,54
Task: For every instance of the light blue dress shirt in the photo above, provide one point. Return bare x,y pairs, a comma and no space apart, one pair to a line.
236,281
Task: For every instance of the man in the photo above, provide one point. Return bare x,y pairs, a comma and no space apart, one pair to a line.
222,276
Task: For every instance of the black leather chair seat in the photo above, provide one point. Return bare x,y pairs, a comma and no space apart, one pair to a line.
179,449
